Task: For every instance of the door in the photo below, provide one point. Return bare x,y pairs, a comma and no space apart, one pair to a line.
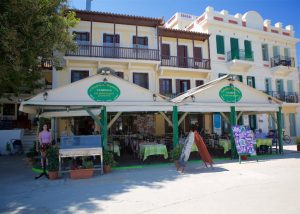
234,44
248,50
182,55
292,120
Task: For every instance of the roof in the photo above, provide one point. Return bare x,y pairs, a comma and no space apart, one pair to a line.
97,16
183,34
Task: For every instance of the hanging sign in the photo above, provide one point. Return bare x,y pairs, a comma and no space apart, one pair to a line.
103,92
230,94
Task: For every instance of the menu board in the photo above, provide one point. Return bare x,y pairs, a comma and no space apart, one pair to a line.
244,140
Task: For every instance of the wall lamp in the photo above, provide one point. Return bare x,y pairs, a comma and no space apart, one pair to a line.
105,80
45,95
193,98
270,100
154,97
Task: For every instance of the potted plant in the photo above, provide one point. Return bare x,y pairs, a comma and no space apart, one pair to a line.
175,153
244,157
85,170
31,155
108,161
53,162
298,143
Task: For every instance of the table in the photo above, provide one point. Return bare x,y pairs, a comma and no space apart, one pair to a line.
115,148
146,150
264,142
80,152
226,144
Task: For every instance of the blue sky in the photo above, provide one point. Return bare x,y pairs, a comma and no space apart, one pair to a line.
285,11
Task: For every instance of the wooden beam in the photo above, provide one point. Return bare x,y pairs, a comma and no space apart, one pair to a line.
239,115
113,120
225,117
182,118
166,118
93,116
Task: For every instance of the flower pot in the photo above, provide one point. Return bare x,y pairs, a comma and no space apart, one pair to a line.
81,173
298,148
53,175
244,157
107,169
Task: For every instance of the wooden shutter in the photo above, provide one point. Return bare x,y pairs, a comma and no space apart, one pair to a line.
177,86
220,44
165,51
197,54
146,41
234,44
161,91
134,40
104,38
188,84
248,49
199,82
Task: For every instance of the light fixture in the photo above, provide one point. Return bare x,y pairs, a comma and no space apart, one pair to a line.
154,97
104,80
193,98
270,100
45,95
68,108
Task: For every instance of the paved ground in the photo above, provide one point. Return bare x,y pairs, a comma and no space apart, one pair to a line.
269,186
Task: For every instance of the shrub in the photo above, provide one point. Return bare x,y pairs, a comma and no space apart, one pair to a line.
176,152
108,158
52,156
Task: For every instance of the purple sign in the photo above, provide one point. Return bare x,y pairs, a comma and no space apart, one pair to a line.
244,140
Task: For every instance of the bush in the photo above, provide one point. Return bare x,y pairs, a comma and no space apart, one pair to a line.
176,152
52,156
87,164
108,158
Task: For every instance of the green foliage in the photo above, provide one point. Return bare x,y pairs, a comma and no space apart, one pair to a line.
297,140
52,156
108,158
30,30
176,152
87,164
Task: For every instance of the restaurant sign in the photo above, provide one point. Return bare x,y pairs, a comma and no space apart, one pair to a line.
230,94
103,92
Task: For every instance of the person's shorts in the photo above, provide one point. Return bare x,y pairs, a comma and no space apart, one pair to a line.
44,147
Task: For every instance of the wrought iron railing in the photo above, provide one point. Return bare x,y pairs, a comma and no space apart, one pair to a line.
282,60
240,54
185,62
289,97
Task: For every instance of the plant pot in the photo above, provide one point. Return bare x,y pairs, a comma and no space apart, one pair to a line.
298,148
107,169
244,157
81,173
53,175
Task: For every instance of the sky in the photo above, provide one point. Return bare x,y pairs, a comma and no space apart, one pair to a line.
285,11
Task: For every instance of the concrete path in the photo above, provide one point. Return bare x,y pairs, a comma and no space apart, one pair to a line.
269,186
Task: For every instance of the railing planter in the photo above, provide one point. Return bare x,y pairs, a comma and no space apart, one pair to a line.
282,61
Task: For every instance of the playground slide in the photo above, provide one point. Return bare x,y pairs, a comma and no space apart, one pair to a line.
204,154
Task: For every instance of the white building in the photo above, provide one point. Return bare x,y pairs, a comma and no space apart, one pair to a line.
259,53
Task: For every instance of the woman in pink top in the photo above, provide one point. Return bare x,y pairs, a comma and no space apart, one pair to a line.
44,140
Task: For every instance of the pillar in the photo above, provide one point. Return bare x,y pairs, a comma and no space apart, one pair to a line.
175,125
104,126
232,123
279,127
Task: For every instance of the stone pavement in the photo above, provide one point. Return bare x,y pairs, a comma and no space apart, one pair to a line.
269,186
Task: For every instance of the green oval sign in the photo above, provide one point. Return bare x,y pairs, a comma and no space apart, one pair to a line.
230,94
104,92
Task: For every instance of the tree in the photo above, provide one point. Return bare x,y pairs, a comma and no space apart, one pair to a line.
30,30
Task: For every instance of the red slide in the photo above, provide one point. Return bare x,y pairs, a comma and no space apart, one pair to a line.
204,154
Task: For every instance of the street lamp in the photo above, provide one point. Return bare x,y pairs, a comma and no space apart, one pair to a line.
45,95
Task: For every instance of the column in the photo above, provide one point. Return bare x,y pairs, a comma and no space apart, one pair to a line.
232,123
279,127
175,125
104,126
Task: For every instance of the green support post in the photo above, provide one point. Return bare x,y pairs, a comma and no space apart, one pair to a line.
232,123
175,125
104,126
279,126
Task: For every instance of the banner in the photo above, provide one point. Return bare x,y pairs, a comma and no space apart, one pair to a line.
244,140
217,123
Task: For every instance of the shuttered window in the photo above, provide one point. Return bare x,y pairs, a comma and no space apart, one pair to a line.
197,54
234,44
199,82
165,51
110,38
220,44
119,74
221,75
78,75
141,79
165,86
265,52
141,42
182,86
248,50
251,81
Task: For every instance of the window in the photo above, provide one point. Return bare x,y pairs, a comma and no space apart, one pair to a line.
182,86
290,88
222,75
198,54
220,44
234,44
82,37
279,85
248,50
276,51
110,39
199,82
141,79
238,77
251,81
119,74
140,42
9,109
165,51
268,85
287,52
165,86
78,75
265,52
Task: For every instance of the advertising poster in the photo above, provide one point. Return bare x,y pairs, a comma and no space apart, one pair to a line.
217,123
244,140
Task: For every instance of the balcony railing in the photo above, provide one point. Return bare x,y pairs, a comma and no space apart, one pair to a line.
240,55
185,62
289,97
46,64
115,52
282,60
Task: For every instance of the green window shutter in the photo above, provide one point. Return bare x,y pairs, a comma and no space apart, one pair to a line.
234,44
265,52
220,44
240,77
248,50
253,81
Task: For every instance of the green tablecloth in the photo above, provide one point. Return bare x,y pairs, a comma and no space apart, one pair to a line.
114,148
264,142
225,144
194,148
152,149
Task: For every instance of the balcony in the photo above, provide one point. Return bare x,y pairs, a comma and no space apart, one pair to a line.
115,52
288,97
282,65
240,60
185,62
46,64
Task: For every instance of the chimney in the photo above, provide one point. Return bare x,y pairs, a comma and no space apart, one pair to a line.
88,5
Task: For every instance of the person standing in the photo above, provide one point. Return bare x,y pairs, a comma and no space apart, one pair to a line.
44,141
